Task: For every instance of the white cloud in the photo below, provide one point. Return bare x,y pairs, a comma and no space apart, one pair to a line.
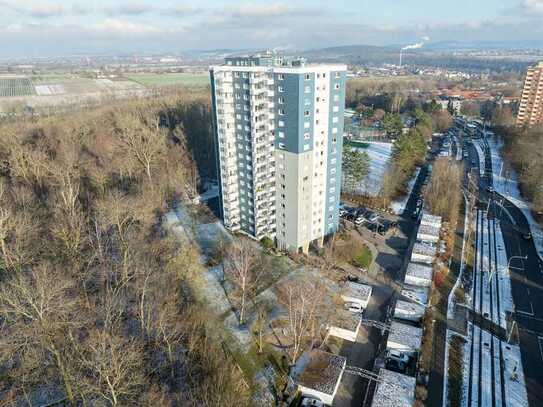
117,26
532,6
33,8
129,9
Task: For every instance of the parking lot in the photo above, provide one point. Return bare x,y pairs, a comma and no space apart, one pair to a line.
369,219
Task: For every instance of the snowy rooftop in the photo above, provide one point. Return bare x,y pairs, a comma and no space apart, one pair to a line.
418,294
345,319
419,271
407,335
431,230
425,249
396,390
428,219
410,308
357,290
319,370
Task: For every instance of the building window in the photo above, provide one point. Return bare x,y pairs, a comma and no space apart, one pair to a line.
280,76
338,75
336,98
307,89
334,130
335,109
282,112
282,146
236,74
306,125
280,89
307,136
336,86
281,134
307,77
335,119
281,101
281,123
306,113
306,147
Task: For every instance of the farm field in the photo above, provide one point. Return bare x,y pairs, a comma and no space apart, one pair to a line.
170,79
16,87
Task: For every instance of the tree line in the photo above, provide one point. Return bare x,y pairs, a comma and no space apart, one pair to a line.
99,304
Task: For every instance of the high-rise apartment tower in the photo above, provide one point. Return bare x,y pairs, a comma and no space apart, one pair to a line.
531,104
279,136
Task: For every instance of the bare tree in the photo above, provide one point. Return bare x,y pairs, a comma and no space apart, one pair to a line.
307,311
144,138
114,367
39,314
240,259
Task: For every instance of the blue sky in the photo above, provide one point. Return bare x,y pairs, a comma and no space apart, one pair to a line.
56,27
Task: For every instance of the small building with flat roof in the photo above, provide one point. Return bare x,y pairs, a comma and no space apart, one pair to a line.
418,295
318,374
345,325
418,274
423,253
430,220
356,292
409,311
428,233
394,390
404,338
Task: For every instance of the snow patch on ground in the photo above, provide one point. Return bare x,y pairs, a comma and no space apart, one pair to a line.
398,207
379,154
505,182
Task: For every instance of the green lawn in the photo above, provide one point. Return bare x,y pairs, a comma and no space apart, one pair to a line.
170,79
363,259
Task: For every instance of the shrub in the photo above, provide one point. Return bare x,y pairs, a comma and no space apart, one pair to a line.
266,243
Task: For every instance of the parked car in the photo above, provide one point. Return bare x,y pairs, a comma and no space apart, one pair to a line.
396,365
342,212
361,211
415,214
372,216
354,307
307,401
353,279
527,236
359,221
397,355
490,189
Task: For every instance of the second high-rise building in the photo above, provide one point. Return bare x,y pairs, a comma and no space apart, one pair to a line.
531,104
279,132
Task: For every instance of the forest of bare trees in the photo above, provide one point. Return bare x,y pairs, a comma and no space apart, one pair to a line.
523,148
98,304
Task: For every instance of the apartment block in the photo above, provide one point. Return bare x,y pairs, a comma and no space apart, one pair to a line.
279,129
531,104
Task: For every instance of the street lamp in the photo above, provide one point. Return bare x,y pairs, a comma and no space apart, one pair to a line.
508,265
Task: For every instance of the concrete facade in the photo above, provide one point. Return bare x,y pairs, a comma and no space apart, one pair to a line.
531,103
279,132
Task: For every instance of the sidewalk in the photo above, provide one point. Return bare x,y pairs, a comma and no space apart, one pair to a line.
505,182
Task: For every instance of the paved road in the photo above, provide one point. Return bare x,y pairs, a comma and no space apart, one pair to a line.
527,288
355,391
